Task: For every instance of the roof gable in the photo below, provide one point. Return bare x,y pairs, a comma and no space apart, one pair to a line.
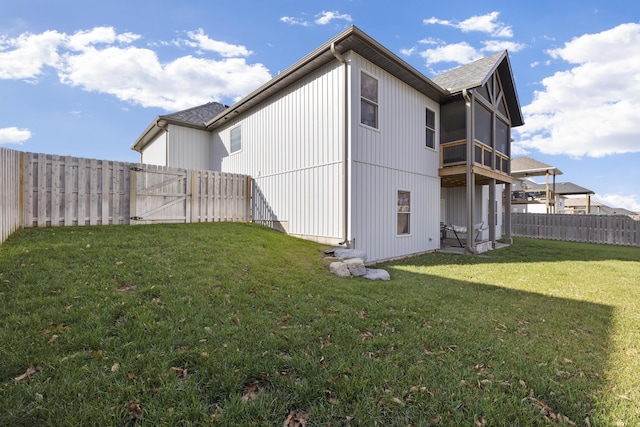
477,73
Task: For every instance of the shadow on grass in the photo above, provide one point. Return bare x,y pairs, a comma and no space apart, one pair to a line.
509,356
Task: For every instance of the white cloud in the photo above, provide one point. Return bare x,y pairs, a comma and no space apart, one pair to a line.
226,50
591,108
101,60
408,52
295,21
488,24
326,17
630,202
25,56
461,53
14,135
500,45
83,40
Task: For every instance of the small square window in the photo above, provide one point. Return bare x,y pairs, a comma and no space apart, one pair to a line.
236,140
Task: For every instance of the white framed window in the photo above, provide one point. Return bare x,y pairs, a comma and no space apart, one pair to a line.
404,212
236,140
430,119
368,100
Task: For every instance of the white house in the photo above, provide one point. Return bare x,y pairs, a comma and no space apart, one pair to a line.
353,146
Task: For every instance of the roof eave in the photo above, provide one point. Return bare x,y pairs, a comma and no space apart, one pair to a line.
535,172
157,127
351,39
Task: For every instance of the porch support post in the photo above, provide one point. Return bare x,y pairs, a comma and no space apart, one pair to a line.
507,215
471,178
492,212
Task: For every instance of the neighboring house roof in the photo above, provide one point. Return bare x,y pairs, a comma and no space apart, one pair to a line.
526,166
476,74
581,202
194,117
562,188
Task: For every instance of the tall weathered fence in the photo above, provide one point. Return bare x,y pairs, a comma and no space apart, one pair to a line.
44,190
606,229
65,190
10,195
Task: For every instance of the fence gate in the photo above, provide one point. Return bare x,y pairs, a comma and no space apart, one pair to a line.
159,195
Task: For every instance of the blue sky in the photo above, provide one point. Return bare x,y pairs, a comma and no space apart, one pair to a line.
85,78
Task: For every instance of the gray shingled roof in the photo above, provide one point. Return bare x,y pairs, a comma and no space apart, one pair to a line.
470,75
200,114
562,188
526,166
475,74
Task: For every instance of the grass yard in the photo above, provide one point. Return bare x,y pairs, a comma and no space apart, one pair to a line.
234,324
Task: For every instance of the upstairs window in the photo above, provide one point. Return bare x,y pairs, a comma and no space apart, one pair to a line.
431,129
368,100
404,212
236,139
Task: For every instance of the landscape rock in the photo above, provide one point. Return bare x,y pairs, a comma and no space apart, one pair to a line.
356,266
377,274
340,269
343,253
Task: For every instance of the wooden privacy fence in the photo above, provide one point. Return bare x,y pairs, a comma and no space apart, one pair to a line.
10,196
163,195
605,229
44,190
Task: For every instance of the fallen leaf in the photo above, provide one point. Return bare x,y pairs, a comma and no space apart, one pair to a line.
131,375
32,369
180,372
366,335
398,401
115,367
96,353
119,262
135,411
250,392
296,419
126,288
52,339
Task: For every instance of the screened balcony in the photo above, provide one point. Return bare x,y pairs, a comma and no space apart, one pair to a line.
490,147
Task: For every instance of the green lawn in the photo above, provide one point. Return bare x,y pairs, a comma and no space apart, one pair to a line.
234,324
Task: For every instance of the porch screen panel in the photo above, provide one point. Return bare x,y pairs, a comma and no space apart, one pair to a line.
502,137
483,125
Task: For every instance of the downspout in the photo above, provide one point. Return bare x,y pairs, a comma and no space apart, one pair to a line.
345,146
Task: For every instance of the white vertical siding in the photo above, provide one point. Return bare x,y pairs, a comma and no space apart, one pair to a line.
193,150
391,158
292,147
456,205
155,153
375,212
